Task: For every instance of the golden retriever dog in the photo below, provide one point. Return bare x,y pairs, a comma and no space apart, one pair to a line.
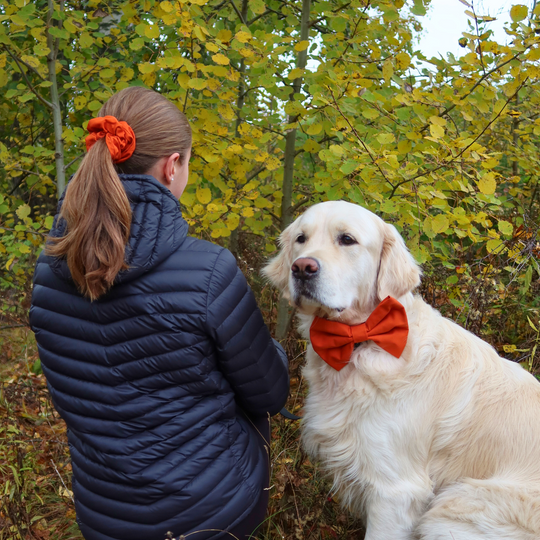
442,442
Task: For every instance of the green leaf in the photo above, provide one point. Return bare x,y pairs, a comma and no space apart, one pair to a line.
197,84
495,246
94,106
505,227
59,32
136,44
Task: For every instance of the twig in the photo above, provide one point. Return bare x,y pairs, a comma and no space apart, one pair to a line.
13,326
449,162
34,91
238,12
62,480
66,167
366,148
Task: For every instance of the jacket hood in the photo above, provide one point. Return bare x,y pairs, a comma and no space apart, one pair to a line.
157,227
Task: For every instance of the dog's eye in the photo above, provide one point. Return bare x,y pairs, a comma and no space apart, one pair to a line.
346,240
301,238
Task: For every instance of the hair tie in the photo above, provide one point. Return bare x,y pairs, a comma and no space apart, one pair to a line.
118,135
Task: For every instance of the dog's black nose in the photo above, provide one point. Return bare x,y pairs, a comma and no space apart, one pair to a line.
305,268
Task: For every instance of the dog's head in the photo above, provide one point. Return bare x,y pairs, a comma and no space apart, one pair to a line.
341,259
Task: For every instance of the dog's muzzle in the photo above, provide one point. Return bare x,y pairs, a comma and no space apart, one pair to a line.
305,272
305,269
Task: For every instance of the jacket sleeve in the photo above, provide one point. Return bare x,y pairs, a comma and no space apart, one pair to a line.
254,364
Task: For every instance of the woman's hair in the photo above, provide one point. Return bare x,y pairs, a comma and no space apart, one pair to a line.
96,208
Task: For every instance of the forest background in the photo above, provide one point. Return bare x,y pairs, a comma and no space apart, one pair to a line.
291,102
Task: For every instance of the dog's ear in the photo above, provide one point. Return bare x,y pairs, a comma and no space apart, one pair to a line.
398,271
279,268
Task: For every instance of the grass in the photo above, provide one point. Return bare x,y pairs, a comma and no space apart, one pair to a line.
35,471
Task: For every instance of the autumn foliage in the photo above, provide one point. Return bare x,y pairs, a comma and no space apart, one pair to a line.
294,102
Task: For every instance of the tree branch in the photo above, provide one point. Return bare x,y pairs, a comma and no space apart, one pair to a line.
238,12
449,162
29,84
366,148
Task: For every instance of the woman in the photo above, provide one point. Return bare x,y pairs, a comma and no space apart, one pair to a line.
155,352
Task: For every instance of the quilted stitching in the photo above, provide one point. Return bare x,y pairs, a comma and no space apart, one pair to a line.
148,379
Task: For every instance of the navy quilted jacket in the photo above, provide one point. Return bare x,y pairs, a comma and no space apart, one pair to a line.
152,379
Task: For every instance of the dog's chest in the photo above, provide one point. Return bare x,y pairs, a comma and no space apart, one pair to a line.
350,426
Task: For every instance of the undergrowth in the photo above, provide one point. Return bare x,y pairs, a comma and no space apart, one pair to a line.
35,473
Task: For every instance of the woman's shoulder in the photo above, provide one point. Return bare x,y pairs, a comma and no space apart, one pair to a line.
203,255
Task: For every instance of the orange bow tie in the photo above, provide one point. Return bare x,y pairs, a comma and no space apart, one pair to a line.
387,326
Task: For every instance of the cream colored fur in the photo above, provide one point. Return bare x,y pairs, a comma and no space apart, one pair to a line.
442,443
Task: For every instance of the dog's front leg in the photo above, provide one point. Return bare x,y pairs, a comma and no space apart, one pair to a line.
392,512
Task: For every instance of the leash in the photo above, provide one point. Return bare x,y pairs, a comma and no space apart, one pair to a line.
289,415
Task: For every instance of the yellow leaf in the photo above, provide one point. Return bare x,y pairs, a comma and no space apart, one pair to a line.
519,12
79,102
197,30
387,70
242,37
301,45
146,68
23,248
437,120
314,129
393,161
233,220
235,149
224,35
439,223
404,146
336,149
273,163
220,59
295,73
385,138
23,211
436,131
197,84
311,146
248,212
495,245
226,111
30,60
166,6
152,31
204,195
212,47
403,60
487,184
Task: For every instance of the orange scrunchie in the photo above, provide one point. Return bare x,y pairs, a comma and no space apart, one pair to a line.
118,135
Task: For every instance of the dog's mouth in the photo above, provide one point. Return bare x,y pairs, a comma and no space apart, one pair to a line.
306,297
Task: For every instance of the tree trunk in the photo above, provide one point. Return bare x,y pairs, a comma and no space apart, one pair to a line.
283,316
56,109
233,242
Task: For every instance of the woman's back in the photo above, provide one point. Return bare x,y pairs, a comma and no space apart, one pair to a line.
152,379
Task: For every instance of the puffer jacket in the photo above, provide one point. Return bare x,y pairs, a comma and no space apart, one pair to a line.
153,379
